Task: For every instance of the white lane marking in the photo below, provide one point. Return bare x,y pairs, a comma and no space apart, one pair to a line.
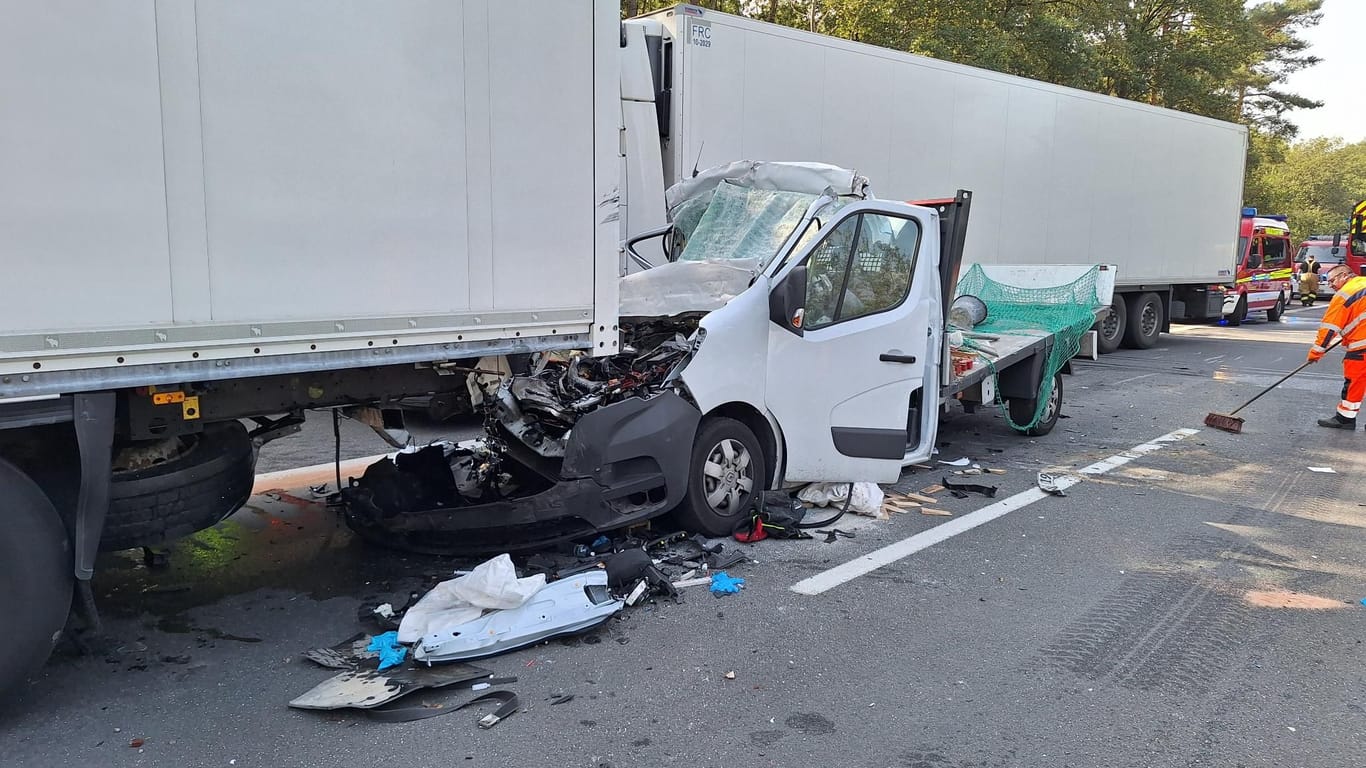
1133,378
861,566
1214,359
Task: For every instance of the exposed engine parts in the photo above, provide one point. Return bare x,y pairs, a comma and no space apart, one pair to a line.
528,423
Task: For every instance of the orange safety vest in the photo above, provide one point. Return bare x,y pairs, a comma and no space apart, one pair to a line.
1346,317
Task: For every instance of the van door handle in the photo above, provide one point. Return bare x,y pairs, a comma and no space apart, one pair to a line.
896,357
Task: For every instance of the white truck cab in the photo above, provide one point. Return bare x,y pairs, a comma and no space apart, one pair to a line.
832,341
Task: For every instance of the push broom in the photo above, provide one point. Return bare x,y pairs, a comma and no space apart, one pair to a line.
1228,422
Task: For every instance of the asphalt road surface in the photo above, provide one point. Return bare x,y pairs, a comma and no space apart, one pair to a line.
1193,601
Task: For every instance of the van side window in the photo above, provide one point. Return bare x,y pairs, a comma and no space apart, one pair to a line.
1254,254
825,270
1275,253
863,267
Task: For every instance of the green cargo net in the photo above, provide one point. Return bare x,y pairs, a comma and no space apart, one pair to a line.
1067,311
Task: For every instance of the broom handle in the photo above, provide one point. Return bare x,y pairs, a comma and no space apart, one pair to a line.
1303,365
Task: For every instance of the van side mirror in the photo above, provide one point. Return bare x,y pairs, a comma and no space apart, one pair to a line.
787,301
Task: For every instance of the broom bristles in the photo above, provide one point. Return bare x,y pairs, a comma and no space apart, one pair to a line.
1225,422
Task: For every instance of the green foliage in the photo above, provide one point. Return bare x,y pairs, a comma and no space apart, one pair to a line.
1316,183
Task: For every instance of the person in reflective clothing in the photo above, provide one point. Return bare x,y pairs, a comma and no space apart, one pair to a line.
1345,319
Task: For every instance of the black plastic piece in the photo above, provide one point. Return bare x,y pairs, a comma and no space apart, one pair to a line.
869,443
986,490
625,463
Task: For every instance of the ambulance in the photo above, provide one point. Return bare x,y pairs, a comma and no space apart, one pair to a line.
1265,268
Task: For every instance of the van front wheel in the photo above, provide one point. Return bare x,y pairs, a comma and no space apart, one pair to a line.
726,475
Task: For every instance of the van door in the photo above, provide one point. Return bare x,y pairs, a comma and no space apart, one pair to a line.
849,342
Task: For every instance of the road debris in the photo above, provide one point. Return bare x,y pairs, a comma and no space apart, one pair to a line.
492,585
986,490
367,688
562,607
936,512
724,584
931,489
386,646
864,498
1048,483
1323,470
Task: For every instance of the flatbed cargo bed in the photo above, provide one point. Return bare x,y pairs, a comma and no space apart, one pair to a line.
1009,349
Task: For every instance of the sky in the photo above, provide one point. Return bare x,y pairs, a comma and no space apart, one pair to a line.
1337,80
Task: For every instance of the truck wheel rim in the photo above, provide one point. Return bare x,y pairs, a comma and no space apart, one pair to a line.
1148,322
1109,327
727,476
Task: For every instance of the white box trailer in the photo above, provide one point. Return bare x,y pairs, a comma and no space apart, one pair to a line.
1059,175
201,189
231,210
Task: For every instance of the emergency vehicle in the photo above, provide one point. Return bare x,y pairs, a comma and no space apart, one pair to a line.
1355,257
1265,270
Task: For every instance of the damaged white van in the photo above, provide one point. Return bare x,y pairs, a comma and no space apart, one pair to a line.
796,334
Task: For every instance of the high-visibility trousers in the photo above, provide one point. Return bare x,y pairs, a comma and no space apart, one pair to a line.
1353,386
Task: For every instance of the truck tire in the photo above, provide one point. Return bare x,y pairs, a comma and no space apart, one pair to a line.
1274,314
1239,311
1144,323
201,486
35,576
1110,329
726,475
1022,411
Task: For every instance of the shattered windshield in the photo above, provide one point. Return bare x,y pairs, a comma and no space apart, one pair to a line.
743,223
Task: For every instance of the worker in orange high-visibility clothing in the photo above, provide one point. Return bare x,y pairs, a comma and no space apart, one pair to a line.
1345,318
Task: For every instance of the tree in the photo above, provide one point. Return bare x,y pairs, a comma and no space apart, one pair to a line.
1316,183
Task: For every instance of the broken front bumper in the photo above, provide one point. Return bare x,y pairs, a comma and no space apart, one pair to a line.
624,463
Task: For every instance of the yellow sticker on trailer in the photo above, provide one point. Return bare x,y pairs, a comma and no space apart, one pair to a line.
167,398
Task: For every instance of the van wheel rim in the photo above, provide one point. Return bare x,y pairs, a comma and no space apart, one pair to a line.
727,477
1050,410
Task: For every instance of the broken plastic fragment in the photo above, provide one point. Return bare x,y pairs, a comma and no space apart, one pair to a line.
566,606
963,462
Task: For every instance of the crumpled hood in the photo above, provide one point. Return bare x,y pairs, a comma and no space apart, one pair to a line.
685,286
